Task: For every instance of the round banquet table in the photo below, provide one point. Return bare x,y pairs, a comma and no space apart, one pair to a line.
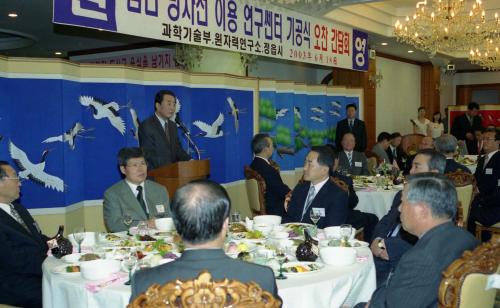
375,201
332,286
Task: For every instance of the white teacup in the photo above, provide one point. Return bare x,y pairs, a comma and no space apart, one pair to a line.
164,224
265,229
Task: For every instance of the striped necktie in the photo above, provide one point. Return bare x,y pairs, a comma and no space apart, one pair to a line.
349,157
17,217
309,200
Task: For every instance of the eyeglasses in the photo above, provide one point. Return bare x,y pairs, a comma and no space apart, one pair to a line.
136,165
13,178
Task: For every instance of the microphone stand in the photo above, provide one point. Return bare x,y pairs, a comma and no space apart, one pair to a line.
187,134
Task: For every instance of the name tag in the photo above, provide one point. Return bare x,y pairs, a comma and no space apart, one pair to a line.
160,208
358,164
498,184
319,211
488,171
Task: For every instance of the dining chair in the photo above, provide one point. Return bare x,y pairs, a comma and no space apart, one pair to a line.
202,291
410,142
465,184
495,229
372,165
256,190
463,283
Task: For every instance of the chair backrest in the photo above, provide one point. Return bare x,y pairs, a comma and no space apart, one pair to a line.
410,142
465,184
204,292
370,154
256,190
341,184
372,165
464,281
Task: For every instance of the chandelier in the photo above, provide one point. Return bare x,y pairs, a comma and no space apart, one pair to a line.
488,55
446,26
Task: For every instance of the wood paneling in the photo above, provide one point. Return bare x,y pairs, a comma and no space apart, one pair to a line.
429,88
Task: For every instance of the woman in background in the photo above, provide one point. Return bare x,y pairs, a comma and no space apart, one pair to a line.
435,128
420,124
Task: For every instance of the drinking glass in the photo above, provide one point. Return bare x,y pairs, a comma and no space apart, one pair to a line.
127,220
345,231
129,262
235,217
142,228
281,258
79,236
315,217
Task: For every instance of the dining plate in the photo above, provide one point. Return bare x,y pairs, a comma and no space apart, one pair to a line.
301,268
62,269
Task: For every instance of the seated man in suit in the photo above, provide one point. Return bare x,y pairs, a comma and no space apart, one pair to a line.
134,196
447,145
24,246
200,210
390,240
394,151
425,143
428,207
485,207
354,126
318,193
158,133
355,218
381,146
276,190
350,161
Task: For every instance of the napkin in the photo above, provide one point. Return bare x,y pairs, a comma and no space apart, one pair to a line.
96,286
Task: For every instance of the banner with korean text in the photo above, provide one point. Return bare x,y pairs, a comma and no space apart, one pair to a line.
246,26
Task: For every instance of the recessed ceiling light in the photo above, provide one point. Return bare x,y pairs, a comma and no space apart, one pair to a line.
12,15
410,51
384,44
58,53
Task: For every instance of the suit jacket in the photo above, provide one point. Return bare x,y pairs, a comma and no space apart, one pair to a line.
157,149
119,200
461,126
276,190
21,260
381,153
330,197
399,244
353,198
215,261
488,184
452,166
357,157
415,280
400,159
359,131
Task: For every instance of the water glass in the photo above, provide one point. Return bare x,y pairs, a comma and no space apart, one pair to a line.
235,217
345,231
129,263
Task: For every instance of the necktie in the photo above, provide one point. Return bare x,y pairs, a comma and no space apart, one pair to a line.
394,232
351,124
394,155
309,200
485,161
349,157
167,132
17,217
141,200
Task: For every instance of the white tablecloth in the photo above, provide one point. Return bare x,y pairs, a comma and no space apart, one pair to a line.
331,287
377,202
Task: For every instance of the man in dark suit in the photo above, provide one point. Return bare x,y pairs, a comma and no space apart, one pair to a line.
428,207
463,126
485,207
390,240
318,193
200,211
24,247
355,218
354,126
447,145
276,190
350,161
394,151
158,134
134,196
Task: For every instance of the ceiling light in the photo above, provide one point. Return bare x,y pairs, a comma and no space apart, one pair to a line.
410,51
384,44
58,53
12,15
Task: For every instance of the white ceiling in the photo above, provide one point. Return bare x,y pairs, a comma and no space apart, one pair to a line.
44,38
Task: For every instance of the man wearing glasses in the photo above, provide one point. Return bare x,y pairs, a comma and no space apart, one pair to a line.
485,208
134,198
24,246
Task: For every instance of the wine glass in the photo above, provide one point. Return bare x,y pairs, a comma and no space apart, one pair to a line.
127,220
345,232
129,262
79,236
281,258
235,217
315,217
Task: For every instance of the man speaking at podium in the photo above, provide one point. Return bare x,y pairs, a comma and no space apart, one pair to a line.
158,134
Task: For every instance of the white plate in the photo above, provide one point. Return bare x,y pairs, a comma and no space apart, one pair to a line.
73,258
61,269
304,264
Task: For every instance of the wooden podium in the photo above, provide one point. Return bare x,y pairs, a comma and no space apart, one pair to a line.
174,175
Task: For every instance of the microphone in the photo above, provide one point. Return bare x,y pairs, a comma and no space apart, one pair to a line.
181,125
186,133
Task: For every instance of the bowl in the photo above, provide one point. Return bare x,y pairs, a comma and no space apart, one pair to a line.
334,232
279,235
89,240
272,220
339,256
265,229
165,224
99,269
